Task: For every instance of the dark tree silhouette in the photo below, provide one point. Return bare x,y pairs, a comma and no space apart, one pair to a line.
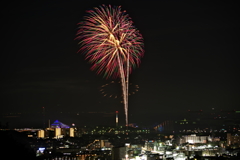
15,145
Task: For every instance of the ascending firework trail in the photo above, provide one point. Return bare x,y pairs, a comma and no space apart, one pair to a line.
111,44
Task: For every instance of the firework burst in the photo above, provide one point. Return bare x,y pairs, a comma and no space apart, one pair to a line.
111,44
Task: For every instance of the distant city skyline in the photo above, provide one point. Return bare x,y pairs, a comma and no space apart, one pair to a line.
25,119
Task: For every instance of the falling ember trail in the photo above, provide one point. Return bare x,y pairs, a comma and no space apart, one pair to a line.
111,43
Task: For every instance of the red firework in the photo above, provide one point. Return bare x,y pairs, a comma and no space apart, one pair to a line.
109,41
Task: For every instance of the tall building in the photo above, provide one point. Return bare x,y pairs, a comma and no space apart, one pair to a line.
72,132
41,134
58,133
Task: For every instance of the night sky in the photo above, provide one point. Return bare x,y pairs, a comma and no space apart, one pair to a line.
190,60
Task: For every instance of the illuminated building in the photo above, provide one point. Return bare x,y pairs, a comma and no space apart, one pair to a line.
102,144
193,139
58,132
58,124
41,134
71,132
62,129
